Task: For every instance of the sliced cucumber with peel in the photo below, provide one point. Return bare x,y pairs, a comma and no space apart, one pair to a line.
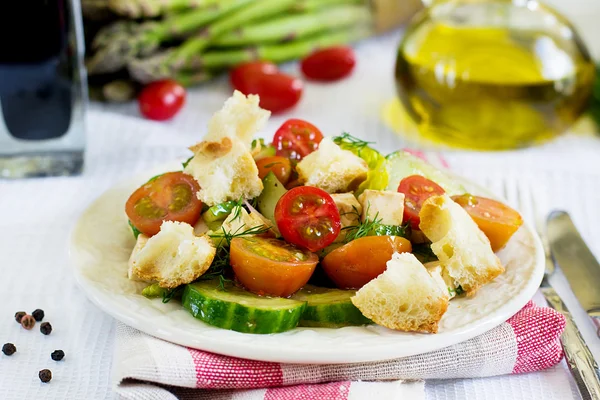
329,308
402,164
233,308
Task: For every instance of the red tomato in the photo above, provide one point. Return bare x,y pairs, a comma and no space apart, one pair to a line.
329,64
308,217
356,263
281,167
277,91
241,76
497,220
161,100
169,197
296,139
416,189
269,266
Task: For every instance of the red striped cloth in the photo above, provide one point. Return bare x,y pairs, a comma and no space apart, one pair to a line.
146,367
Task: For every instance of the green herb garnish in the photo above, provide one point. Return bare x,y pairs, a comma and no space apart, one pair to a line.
136,231
372,227
186,162
423,252
170,294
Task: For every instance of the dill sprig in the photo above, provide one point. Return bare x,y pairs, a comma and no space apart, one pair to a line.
364,228
169,294
352,143
373,227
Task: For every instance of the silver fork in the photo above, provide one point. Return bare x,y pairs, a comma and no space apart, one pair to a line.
580,360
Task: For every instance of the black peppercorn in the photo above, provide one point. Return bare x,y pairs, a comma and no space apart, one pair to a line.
45,375
38,315
19,315
46,328
9,349
27,322
57,355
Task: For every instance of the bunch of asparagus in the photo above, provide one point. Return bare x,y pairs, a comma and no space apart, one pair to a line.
139,41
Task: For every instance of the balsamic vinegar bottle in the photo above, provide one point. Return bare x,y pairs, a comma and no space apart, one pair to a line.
43,93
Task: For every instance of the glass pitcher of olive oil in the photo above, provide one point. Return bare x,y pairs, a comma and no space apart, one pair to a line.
492,74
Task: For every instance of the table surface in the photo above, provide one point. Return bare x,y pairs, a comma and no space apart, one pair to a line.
41,212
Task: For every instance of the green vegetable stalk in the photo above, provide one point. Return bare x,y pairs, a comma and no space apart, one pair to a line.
136,9
160,68
117,44
295,27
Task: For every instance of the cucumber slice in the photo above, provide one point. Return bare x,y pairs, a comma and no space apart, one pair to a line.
329,308
272,192
402,164
238,310
219,212
261,150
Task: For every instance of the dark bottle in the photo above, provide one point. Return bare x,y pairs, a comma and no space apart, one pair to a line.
42,88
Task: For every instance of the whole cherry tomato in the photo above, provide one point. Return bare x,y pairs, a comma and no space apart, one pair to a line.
308,217
277,91
329,64
296,138
497,220
168,197
417,189
161,100
241,77
281,167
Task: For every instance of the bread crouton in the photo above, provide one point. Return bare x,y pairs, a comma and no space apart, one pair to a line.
385,206
332,169
173,257
139,245
349,209
462,248
225,170
405,297
241,118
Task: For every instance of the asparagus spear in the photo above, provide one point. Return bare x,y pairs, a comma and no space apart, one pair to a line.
295,26
136,9
119,91
219,59
170,62
313,5
117,44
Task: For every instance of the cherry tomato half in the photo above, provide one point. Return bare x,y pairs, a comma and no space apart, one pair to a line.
281,167
277,91
497,220
356,263
161,100
416,189
308,217
241,77
269,266
169,197
329,64
296,138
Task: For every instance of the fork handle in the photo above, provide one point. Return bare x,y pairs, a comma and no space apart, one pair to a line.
579,358
595,316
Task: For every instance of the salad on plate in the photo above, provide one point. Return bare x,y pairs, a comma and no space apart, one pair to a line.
310,231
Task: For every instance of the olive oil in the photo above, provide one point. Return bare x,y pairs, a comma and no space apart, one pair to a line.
491,86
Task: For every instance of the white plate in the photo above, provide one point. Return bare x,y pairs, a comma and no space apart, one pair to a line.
101,244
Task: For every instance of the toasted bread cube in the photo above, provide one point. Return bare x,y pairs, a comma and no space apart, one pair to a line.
349,209
225,170
332,169
382,205
241,117
139,245
435,269
405,297
462,248
174,256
